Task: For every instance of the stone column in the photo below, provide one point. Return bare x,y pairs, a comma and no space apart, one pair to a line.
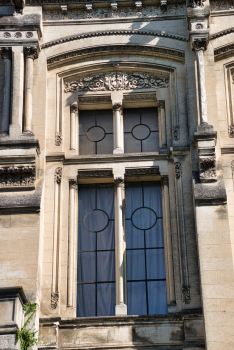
73,131
30,55
6,54
118,147
121,307
199,46
72,193
18,91
161,105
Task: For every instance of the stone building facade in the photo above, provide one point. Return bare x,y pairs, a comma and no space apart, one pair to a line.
116,173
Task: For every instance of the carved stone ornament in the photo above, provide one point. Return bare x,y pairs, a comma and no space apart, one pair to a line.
178,170
200,44
93,99
29,35
73,183
6,53
198,3
138,5
58,175
231,131
207,168
117,106
58,138
31,52
7,35
17,176
89,8
95,173
74,108
164,180
54,300
199,26
64,11
186,294
232,167
176,133
118,181
161,104
117,81
18,35
142,171
221,5
140,97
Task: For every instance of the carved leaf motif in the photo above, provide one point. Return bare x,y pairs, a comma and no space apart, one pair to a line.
17,176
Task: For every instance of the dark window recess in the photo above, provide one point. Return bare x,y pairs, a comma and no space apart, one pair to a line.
96,255
140,130
146,278
96,132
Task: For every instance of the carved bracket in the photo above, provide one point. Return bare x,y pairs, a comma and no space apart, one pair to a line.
207,168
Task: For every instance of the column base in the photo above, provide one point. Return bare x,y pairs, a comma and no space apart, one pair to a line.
118,151
15,131
121,310
28,133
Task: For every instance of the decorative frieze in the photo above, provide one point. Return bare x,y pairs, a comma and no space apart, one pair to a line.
142,171
58,175
115,49
58,138
224,52
95,173
140,97
115,11
226,5
94,99
117,81
207,168
17,176
222,33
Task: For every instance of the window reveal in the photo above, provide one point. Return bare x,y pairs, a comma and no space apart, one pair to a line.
141,132
96,132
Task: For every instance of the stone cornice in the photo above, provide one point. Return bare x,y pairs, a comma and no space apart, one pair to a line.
224,52
111,49
113,32
222,33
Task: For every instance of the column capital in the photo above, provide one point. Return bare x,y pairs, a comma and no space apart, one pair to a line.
161,104
73,108
6,53
164,180
118,180
117,106
31,52
73,183
199,44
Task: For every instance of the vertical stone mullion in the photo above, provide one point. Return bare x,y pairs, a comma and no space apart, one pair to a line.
118,146
73,125
161,105
6,54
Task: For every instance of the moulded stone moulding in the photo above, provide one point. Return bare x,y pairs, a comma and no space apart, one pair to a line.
95,173
142,171
17,176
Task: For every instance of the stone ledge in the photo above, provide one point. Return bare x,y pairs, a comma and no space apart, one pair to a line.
209,194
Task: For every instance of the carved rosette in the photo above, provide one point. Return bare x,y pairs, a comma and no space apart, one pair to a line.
6,53
58,175
231,131
73,184
58,138
176,133
54,300
186,294
207,168
17,176
178,170
200,44
31,52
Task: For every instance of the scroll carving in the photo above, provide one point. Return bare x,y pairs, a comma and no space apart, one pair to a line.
232,167
58,175
164,180
17,176
117,81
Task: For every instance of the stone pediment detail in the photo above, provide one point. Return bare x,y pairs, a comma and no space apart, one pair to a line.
116,81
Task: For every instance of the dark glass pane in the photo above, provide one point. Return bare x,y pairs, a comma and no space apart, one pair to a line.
86,267
131,145
86,200
106,266
106,238
155,261
135,265
106,146
134,199
85,300
151,144
86,239
131,118
105,199
86,120
149,116
136,298
153,197
135,238
105,119
154,236
157,297
106,299
86,147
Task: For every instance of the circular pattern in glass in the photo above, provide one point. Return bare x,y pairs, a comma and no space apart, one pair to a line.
96,133
144,218
141,132
96,220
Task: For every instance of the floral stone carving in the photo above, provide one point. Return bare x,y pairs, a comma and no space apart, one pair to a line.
17,176
207,168
117,81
